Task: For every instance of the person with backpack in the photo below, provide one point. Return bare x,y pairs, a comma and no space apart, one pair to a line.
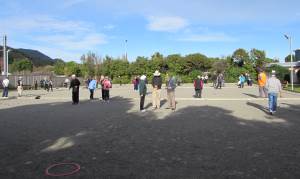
92,87
171,85
198,84
106,87
75,83
143,92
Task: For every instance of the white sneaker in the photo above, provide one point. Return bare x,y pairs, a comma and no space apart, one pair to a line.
143,110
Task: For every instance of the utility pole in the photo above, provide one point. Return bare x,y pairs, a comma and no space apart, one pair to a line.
4,55
126,50
291,54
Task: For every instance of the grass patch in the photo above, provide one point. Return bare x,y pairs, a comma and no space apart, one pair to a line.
296,88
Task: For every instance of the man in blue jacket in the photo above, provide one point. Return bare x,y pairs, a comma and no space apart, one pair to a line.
171,85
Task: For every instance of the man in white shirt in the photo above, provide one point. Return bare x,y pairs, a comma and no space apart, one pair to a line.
5,84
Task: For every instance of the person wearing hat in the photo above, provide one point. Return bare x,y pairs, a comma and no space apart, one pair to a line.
20,87
75,83
143,92
156,84
274,88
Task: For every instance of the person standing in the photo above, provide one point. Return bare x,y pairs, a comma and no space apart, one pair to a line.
106,87
156,84
198,84
50,85
5,84
75,83
274,88
102,86
143,92
241,81
262,79
35,85
20,87
92,87
219,81
171,85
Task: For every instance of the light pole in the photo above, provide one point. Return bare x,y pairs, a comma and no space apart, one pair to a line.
126,50
291,53
9,50
4,55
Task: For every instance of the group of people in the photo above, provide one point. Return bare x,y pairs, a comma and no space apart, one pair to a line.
270,88
157,84
5,84
92,85
244,78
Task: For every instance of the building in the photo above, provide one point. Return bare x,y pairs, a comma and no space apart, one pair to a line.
296,66
297,55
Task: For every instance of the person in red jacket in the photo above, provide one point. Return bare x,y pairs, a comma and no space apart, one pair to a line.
198,84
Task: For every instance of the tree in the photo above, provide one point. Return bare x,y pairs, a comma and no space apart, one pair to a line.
89,62
281,72
240,57
72,68
22,65
59,67
220,66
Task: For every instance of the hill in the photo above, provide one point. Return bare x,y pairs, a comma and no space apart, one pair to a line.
37,57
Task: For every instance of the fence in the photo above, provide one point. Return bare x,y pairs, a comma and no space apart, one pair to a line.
29,80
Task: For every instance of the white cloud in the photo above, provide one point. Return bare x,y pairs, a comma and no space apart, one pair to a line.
210,37
70,3
42,24
55,37
74,42
109,27
167,24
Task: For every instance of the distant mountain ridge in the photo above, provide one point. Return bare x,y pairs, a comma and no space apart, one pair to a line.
35,56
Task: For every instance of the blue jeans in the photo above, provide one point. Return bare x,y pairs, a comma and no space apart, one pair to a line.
5,92
272,101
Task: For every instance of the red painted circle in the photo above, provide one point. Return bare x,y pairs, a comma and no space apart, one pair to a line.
77,168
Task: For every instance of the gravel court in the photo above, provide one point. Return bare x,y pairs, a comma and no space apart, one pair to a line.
209,138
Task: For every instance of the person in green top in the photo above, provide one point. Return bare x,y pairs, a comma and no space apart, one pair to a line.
143,92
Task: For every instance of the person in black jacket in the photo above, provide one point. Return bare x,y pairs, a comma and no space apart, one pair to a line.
156,84
75,83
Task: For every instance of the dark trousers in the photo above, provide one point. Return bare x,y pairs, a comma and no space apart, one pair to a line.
198,93
75,97
5,92
219,85
91,93
51,87
142,102
102,93
106,95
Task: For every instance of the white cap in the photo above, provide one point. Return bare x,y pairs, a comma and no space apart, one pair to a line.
143,77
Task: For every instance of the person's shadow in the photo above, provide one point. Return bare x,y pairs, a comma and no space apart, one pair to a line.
260,107
251,95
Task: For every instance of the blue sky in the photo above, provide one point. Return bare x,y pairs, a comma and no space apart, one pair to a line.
69,28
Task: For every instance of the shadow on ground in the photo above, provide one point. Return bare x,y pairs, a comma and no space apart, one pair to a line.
108,141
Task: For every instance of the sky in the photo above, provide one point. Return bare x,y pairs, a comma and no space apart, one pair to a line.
67,29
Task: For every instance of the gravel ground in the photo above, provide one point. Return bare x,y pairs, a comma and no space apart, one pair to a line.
228,134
